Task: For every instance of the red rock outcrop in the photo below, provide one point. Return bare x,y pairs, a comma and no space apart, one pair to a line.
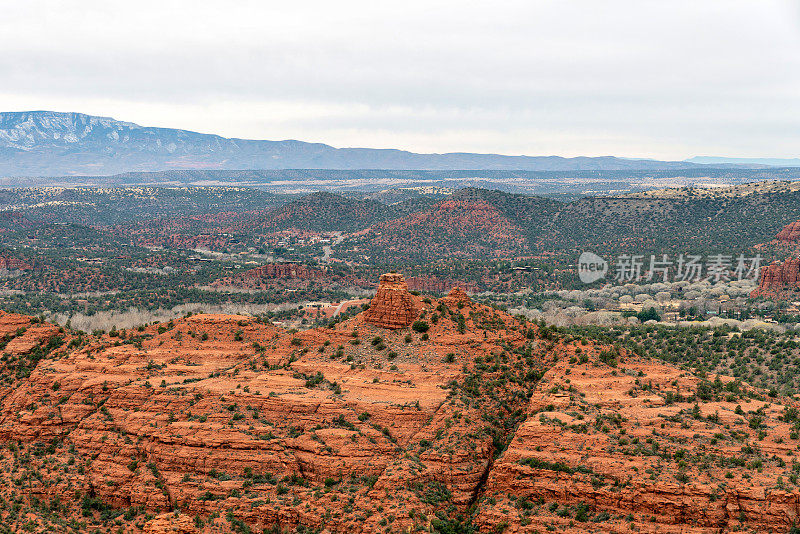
790,233
13,264
569,451
393,306
287,270
781,279
221,423
455,297
215,415
288,275
19,334
778,278
433,284
267,275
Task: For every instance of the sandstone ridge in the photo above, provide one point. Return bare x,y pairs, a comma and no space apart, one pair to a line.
269,275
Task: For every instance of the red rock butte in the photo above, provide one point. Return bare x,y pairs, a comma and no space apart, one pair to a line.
393,306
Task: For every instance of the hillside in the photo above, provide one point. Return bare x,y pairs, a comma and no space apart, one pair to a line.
472,223
480,223
474,421
449,229
678,220
49,143
407,227
119,205
321,212
566,185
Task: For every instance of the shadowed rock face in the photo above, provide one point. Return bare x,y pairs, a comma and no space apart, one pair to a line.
393,306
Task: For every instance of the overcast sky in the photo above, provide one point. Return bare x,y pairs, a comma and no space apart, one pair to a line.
666,79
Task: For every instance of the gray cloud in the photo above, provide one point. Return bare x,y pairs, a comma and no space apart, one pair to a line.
633,78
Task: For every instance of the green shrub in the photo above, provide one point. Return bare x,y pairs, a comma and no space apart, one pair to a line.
420,326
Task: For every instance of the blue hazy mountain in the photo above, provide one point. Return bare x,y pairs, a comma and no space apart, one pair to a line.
772,162
49,143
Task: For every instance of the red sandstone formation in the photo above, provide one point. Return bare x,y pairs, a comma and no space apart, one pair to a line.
220,423
455,297
432,284
779,279
287,275
20,334
286,270
393,306
712,500
790,233
266,275
13,264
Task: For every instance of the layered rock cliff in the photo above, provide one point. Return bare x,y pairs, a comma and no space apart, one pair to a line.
433,284
291,276
781,278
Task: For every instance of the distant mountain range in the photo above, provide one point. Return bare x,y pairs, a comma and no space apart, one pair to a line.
49,143
774,162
